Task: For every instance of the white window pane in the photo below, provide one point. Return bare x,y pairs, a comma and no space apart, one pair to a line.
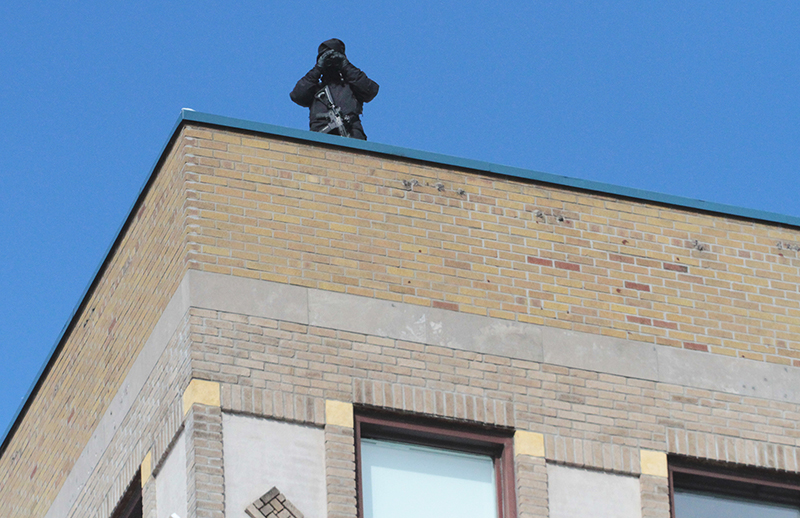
402,481
704,505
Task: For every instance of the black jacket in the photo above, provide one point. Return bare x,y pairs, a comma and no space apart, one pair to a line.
350,88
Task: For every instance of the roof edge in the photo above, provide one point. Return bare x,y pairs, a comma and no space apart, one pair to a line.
488,167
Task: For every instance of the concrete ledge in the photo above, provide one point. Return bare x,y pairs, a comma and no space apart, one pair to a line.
247,296
600,353
367,316
425,325
432,326
728,374
485,335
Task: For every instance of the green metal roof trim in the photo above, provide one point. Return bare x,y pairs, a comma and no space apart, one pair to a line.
383,149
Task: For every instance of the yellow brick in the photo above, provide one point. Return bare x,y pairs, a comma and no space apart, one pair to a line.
201,392
528,443
339,413
146,469
623,309
215,250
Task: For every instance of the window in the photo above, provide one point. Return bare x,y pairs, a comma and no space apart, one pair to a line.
720,491
130,505
426,469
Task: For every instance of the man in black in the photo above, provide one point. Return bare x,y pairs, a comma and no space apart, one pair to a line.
349,87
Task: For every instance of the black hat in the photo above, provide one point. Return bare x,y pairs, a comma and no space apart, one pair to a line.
334,43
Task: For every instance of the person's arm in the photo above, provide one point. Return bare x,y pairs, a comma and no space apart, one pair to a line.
364,88
306,87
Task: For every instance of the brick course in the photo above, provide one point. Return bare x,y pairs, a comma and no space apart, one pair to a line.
531,478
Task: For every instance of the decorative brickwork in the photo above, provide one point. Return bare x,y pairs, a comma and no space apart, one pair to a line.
596,454
273,505
149,509
768,441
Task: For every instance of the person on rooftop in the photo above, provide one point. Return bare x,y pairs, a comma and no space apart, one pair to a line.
335,91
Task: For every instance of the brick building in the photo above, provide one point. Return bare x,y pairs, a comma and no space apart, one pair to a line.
350,329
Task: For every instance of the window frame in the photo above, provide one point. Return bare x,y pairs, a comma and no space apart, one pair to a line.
732,480
462,437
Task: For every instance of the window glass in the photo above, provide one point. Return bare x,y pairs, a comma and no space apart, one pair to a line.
690,504
404,480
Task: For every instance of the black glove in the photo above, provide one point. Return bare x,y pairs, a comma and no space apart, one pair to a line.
322,58
337,61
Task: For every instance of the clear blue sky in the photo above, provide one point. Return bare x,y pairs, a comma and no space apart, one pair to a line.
692,98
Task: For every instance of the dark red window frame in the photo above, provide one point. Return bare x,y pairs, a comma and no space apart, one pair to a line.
498,444
725,479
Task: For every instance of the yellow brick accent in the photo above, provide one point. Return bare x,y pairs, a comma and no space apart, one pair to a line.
528,443
338,413
654,463
202,392
147,467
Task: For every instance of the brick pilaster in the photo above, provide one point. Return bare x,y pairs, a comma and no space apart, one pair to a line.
655,496
340,471
149,508
205,480
531,479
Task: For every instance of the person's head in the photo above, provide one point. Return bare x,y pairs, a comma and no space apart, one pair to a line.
331,44
331,56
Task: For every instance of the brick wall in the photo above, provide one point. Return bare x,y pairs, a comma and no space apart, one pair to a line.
100,348
150,427
286,371
381,227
